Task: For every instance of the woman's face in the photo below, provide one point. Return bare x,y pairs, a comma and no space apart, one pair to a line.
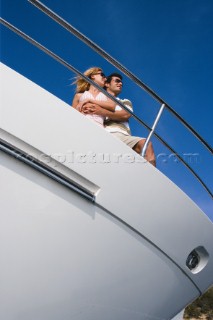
99,78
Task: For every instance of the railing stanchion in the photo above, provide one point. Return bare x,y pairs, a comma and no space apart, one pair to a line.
152,130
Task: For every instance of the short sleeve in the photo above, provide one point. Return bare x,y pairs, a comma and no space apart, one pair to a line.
127,103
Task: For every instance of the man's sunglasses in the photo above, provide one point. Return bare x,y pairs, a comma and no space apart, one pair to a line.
118,81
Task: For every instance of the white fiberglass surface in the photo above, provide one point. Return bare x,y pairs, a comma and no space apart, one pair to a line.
64,258
128,189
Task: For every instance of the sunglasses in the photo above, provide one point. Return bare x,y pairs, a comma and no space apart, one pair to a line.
101,73
118,81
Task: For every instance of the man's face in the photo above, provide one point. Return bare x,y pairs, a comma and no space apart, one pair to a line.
115,85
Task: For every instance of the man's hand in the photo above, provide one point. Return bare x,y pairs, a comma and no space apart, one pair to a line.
91,108
81,104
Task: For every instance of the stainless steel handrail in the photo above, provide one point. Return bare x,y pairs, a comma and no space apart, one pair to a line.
73,69
118,65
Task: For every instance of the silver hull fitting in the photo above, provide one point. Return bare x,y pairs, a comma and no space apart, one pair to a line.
84,238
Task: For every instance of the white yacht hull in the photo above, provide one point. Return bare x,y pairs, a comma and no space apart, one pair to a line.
120,257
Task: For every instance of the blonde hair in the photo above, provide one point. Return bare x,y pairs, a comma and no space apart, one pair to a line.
81,84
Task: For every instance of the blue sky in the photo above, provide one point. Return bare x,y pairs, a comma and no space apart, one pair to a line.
166,43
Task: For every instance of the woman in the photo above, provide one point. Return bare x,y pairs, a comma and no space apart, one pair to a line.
87,93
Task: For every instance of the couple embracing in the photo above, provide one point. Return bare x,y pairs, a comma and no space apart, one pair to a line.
99,108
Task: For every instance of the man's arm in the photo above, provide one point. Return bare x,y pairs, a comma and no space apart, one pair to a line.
107,105
121,115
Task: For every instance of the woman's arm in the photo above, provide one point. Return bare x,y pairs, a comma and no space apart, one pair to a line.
75,101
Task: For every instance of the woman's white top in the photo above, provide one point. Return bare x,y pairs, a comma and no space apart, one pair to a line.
100,97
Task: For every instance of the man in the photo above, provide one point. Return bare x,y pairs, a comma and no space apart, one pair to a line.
117,122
